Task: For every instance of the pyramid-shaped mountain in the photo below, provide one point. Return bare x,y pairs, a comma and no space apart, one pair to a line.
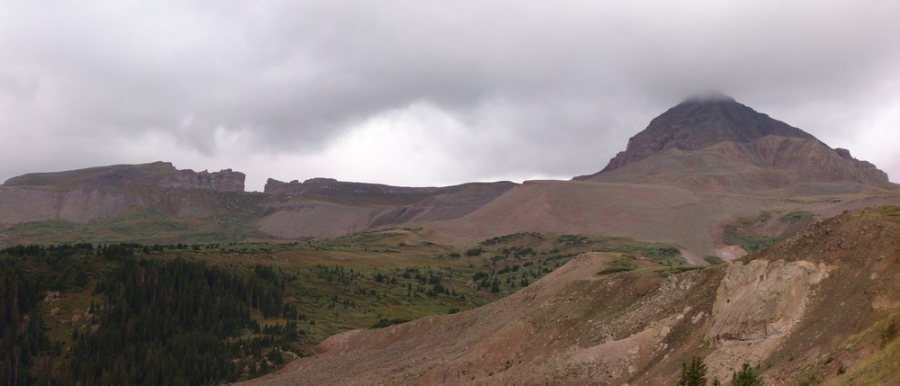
714,142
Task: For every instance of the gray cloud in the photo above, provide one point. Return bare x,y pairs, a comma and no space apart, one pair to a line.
534,89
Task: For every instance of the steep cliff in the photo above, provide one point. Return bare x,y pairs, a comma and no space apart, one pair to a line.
80,196
156,174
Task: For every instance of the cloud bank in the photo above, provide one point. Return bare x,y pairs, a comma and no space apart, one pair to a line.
423,93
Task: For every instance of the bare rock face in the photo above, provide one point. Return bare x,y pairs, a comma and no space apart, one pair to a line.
761,299
221,181
82,195
698,123
757,306
718,142
78,206
156,174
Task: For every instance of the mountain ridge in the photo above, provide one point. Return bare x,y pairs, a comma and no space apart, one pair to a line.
159,173
706,162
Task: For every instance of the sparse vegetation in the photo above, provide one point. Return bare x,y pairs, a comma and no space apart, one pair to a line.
693,373
750,234
623,264
797,216
889,332
746,376
511,237
713,260
382,323
735,235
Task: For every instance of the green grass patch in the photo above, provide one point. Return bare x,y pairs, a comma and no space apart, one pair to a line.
382,323
734,235
797,216
713,260
512,237
622,264
654,251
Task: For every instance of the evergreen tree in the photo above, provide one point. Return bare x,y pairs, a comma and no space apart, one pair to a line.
746,377
693,373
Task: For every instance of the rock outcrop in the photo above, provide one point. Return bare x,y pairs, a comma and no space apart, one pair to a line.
156,174
758,305
83,195
762,299
222,181
332,186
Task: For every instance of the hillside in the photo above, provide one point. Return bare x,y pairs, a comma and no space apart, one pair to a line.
235,311
813,308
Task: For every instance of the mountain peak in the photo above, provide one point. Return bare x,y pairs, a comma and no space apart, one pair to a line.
712,137
700,122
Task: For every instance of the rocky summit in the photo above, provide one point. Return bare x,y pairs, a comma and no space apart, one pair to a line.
716,143
698,123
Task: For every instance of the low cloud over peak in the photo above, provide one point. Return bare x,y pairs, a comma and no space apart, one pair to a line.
422,94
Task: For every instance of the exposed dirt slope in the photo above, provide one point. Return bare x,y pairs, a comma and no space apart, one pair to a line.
330,208
801,310
651,212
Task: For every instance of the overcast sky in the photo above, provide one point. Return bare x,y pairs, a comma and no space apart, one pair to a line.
423,93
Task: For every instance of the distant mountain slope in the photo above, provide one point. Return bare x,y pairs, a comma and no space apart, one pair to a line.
324,207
